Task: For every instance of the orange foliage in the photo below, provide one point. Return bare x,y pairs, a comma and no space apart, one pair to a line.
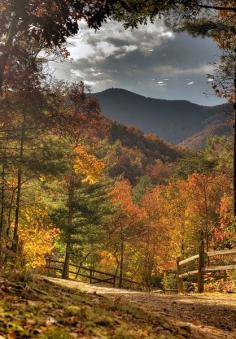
129,213
159,172
226,220
180,213
157,230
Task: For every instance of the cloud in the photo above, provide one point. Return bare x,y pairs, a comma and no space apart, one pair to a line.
173,71
151,61
161,83
112,39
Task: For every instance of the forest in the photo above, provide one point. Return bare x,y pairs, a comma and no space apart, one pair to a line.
89,191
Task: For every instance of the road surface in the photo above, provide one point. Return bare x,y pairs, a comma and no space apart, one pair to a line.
213,315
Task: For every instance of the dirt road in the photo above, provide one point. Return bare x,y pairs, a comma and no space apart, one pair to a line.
213,315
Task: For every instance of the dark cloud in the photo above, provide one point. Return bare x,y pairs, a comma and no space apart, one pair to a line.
151,61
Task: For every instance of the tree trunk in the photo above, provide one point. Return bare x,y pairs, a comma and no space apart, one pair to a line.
234,155
19,186
8,46
201,266
65,273
122,248
9,219
2,221
180,281
66,266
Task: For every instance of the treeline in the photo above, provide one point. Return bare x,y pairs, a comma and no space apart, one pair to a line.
43,131
155,224
66,190
72,183
101,194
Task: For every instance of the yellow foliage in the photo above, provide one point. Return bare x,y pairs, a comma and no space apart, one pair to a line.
87,165
38,239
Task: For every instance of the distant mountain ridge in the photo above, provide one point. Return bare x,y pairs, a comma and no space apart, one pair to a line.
200,139
172,120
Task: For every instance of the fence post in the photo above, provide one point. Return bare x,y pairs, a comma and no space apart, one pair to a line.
91,276
48,260
179,279
201,267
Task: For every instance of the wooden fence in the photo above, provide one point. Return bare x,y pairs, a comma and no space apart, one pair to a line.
92,276
203,266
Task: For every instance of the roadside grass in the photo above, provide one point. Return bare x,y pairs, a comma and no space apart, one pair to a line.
37,308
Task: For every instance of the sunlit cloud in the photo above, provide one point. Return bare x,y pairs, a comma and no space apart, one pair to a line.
161,83
113,38
173,71
151,61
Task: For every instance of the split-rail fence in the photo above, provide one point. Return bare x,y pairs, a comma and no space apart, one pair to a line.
204,265
93,276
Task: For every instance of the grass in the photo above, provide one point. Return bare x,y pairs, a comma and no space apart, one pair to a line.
36,308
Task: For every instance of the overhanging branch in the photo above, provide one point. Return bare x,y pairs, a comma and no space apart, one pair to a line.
218,8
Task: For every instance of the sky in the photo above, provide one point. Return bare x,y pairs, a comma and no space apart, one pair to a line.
151,61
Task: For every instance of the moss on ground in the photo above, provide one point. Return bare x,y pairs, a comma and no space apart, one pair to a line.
37,308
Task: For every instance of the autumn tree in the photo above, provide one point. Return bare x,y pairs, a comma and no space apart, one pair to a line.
80,206
196,202
21,118
37,235
47,24
156,240
219,24
41,158
159,172
126,225
225,235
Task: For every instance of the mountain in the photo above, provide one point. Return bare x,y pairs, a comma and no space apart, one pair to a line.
200,139
171,120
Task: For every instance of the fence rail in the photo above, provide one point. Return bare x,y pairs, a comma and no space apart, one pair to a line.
203,266
94,276
185,261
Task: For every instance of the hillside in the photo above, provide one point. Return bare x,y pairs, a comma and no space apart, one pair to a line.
171,120
200,139
150,145
133,154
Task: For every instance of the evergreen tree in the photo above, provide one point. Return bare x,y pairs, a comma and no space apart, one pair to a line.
144,185
81,219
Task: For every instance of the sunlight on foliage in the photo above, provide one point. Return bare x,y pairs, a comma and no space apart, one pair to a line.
37,235
87,165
